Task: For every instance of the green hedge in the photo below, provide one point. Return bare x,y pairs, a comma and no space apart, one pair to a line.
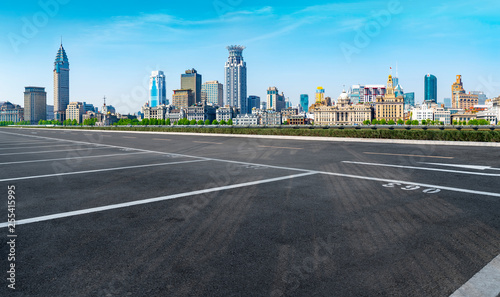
448,135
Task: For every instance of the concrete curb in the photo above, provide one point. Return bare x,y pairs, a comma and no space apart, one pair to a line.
302,138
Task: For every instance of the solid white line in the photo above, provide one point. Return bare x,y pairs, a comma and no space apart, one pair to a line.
23,153
208,142
152,200
27,142
422,168
59,159
485,283
412,183
477,167
404,155
24,147
282,147
295,169
96,170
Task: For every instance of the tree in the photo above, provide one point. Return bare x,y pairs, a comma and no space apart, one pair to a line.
201,122
214,122
193,122
400,122
391,122
424,122
366,122
222,122
167,122
408,122
230,122
383,122
207,122
414,123
375,122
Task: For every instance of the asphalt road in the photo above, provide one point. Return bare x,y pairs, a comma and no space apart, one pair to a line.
244,216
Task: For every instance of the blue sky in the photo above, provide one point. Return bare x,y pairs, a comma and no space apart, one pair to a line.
114,45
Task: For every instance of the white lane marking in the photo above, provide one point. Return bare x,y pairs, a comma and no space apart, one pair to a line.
96,170
28,142
70,158
413,183
162,139
477,167
288,168
422,168
25,153
209,142
422,156
282,147
128,137
152,200
485,283
27,147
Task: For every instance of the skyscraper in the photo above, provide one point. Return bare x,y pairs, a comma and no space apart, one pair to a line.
235,74
35,104
275,99
157,89
253,102
212,92
191,80
304,102
430,88
61,84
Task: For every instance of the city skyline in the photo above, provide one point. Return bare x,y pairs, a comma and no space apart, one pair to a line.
113,53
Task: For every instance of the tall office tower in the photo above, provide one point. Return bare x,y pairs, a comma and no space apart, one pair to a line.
304,102
276,101
430,88
456,89
481,96
409,99
235,75
191,80
61,84
253,102
320,95
35,104
212,92
157,89
447,102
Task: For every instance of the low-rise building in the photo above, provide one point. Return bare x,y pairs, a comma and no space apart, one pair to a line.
74,111
246,119
460,117
201,112
287,113
225,113
299,119
342,113
11,112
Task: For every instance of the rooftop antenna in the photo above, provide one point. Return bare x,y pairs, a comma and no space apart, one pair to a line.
104,100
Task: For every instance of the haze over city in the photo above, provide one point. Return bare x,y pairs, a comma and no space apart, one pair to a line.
114,46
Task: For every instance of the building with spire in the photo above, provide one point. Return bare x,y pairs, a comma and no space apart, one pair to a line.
389,106
61,84
157,89
460,99
235,93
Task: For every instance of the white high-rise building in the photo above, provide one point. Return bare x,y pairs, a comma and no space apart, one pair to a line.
235,93
157,89
212,93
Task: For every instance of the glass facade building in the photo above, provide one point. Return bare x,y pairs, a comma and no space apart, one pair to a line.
304,102
157,89
409,100
253,102
35,104
430,88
